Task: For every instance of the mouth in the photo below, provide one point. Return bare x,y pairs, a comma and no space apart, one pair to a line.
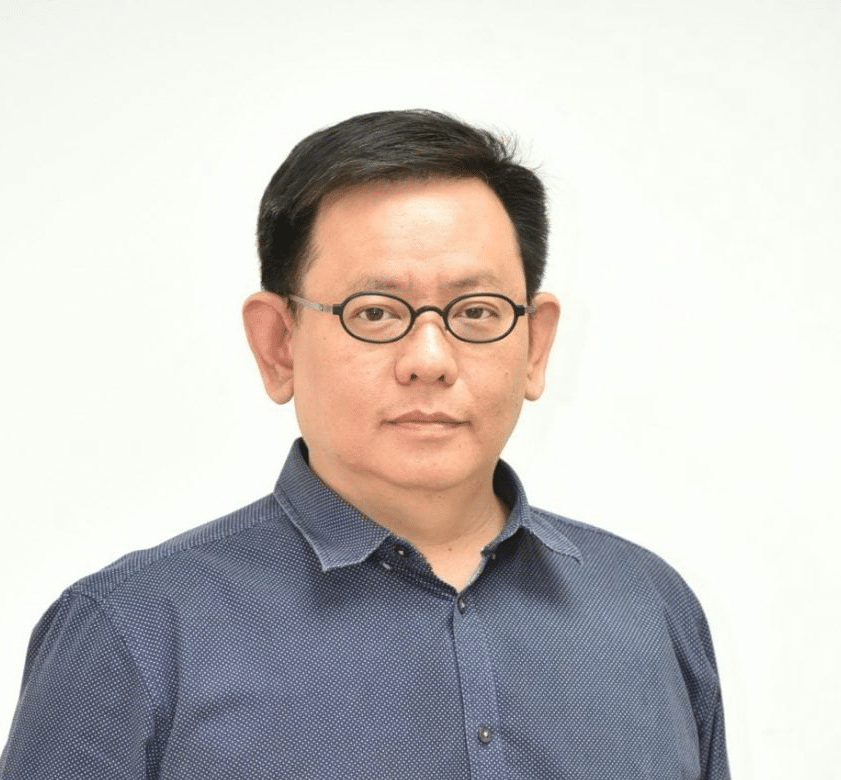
426,418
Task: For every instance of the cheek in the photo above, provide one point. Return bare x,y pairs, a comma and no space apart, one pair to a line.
334,386
497,385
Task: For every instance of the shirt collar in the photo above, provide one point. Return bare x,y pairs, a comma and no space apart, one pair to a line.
341,535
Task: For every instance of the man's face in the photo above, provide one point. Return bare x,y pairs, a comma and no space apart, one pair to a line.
427,411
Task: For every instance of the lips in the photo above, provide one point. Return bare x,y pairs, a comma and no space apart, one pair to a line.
419,418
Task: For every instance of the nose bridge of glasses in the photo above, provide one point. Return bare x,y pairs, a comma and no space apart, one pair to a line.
429,336
423,309
416,313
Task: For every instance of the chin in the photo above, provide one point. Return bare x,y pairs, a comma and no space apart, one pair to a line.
433,472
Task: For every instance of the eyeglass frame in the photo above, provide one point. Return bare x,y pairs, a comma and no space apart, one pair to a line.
520,310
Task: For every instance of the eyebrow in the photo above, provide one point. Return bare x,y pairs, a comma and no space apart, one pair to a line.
391,284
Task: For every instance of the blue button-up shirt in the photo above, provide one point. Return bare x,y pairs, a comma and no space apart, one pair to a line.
296,638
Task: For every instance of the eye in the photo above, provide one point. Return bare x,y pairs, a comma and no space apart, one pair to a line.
372,314
476,310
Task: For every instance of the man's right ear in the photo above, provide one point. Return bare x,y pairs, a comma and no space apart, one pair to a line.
268,325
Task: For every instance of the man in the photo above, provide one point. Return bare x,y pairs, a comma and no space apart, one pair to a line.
395,608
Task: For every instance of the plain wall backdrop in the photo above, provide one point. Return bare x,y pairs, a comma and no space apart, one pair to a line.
691,151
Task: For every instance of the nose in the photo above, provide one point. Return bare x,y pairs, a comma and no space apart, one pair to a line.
426,353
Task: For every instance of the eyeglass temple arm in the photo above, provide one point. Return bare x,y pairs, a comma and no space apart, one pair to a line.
329,308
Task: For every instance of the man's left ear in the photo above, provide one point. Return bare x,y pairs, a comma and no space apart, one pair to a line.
543,323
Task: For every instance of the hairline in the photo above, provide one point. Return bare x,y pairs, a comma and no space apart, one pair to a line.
308,253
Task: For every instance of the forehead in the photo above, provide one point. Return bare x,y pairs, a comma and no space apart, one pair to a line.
395,235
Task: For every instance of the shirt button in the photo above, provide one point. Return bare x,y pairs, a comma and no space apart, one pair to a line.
462,604
401,551
485,734
386,565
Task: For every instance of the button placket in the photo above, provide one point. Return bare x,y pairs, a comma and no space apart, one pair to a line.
478,689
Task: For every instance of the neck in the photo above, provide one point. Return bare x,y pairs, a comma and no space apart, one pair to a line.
450,527
450,535
454,552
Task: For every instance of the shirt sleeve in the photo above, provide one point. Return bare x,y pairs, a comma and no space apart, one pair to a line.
697,657
84,712
693,646
716,766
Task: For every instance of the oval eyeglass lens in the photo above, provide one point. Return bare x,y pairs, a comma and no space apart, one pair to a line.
376,317
481,317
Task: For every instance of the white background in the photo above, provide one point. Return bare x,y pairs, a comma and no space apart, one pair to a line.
692,155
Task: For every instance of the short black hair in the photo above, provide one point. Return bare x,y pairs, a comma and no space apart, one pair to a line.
392,146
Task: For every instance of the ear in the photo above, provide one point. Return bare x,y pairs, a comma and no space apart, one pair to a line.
268,326
543,323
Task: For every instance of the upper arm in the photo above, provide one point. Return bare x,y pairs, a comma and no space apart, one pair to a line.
84,710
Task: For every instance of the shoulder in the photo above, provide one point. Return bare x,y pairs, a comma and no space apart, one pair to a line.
607,557
206,547
620,579
597,545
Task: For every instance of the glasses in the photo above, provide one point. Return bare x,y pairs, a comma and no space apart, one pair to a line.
380,318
